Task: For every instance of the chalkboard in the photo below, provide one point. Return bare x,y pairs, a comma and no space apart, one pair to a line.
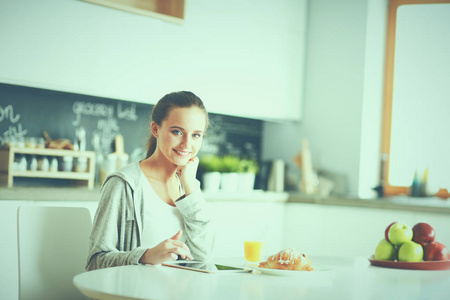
27,111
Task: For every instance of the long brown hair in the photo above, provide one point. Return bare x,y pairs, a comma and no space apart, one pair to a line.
165,105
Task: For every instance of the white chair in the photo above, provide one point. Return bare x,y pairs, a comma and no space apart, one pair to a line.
52,247
9,267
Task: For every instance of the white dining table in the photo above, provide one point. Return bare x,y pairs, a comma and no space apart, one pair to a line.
336,278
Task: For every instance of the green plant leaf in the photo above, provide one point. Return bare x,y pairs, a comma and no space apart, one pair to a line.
210,163
248,166
230,163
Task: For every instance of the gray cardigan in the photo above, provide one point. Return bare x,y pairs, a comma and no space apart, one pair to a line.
116,234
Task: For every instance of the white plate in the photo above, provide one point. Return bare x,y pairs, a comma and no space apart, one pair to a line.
308,274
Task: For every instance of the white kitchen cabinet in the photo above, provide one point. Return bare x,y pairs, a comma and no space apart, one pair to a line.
303,227
327,230
251,59
232,221
356,230
243,58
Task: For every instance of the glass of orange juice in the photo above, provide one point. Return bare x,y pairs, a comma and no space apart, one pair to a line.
254,245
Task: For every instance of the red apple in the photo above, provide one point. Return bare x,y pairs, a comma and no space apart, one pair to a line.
436,251
387,230
423,234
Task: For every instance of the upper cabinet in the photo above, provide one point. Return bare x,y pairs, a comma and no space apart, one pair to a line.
243,58
168,10
246,59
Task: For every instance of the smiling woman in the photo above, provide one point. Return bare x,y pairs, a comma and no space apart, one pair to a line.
155,200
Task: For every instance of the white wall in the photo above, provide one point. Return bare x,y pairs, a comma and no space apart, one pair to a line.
372,98
343,93
238,56
78,46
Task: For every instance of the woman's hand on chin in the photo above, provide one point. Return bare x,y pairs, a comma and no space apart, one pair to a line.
188,174
167,250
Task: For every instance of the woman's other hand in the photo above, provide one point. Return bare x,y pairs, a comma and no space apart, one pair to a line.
188,174
167,250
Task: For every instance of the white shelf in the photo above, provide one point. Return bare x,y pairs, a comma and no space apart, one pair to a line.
59,174
8,155
52,152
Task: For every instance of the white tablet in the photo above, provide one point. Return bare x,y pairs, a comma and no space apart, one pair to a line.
205,267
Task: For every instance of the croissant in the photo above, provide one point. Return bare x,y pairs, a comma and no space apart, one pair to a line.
288,259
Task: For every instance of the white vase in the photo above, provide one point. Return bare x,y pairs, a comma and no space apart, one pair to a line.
211,181
229,182
246,182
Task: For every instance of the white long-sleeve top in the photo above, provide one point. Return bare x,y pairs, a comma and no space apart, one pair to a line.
116,237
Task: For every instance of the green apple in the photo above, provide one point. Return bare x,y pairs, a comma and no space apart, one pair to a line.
385,251
410,251
399,233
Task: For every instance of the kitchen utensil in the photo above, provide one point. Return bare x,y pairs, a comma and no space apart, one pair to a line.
122,157
109,165
98,155
276,177
81,138
308,180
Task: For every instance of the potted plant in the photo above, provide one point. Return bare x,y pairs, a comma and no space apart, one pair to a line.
211,167
229,170
248,168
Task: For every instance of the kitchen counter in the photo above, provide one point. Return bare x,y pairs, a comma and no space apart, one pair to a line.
49,193
429,204
84,194
433,204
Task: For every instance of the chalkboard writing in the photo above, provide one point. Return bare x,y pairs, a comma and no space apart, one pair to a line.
26,111
13,127
108,117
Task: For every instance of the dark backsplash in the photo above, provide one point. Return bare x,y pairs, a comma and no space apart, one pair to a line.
27,112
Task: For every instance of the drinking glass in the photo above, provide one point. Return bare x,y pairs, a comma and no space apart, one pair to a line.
254,245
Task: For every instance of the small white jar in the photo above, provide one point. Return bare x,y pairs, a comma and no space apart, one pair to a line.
22,163
81,164
67,164
45,164
54,165
33,164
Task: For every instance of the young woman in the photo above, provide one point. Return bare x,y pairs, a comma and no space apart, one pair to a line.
153,210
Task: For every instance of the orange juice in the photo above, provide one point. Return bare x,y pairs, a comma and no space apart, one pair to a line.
254,251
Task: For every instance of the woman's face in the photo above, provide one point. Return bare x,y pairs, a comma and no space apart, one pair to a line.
180,134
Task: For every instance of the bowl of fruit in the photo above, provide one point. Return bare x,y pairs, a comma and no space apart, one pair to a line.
413,248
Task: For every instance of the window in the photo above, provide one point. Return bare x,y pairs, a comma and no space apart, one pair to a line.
416,122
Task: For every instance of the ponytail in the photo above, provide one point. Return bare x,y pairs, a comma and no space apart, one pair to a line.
151,146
